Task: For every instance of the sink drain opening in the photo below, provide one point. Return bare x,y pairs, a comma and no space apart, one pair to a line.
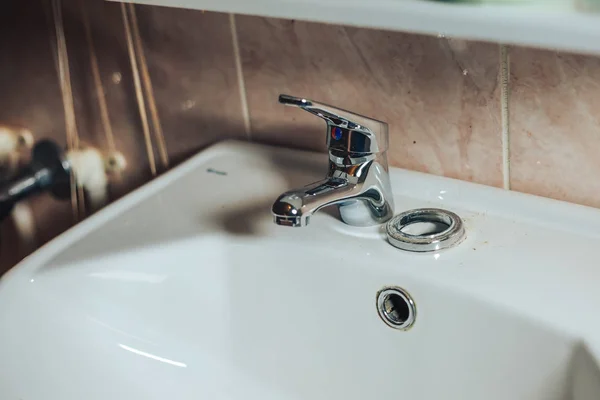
396,308
424,228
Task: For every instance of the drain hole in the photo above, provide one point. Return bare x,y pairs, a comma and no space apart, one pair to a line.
396,308
425,228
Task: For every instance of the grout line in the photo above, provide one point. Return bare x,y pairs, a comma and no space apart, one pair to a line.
505,112
147,86
240,76
139,93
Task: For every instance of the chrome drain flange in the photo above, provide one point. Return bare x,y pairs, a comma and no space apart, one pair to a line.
444,229
396,308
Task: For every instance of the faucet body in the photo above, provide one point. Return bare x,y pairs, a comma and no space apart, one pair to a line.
357,180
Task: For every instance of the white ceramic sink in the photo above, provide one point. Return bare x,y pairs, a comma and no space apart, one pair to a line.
185,289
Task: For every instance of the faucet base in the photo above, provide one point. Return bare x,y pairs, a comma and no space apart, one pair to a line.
358,213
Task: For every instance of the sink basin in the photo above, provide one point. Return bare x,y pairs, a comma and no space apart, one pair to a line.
185,289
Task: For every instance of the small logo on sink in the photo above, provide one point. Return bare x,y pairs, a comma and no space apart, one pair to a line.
215,171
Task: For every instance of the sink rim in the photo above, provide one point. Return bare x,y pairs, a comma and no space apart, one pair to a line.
564,221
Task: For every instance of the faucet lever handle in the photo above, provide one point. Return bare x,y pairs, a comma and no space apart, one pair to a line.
346,131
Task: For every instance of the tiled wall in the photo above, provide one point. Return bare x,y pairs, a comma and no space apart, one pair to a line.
217,76
442,99
555,125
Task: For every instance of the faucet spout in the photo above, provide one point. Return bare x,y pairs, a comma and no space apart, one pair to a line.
294,208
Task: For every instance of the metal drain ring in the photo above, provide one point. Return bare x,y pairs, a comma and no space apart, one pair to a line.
396,308
453,235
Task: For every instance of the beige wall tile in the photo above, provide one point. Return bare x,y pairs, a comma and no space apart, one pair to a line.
110,45
442,120
555,125
191,60
191,64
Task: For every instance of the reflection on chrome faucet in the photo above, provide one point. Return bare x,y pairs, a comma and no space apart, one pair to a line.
357,181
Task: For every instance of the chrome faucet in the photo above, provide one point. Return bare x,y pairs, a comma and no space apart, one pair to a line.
357,181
